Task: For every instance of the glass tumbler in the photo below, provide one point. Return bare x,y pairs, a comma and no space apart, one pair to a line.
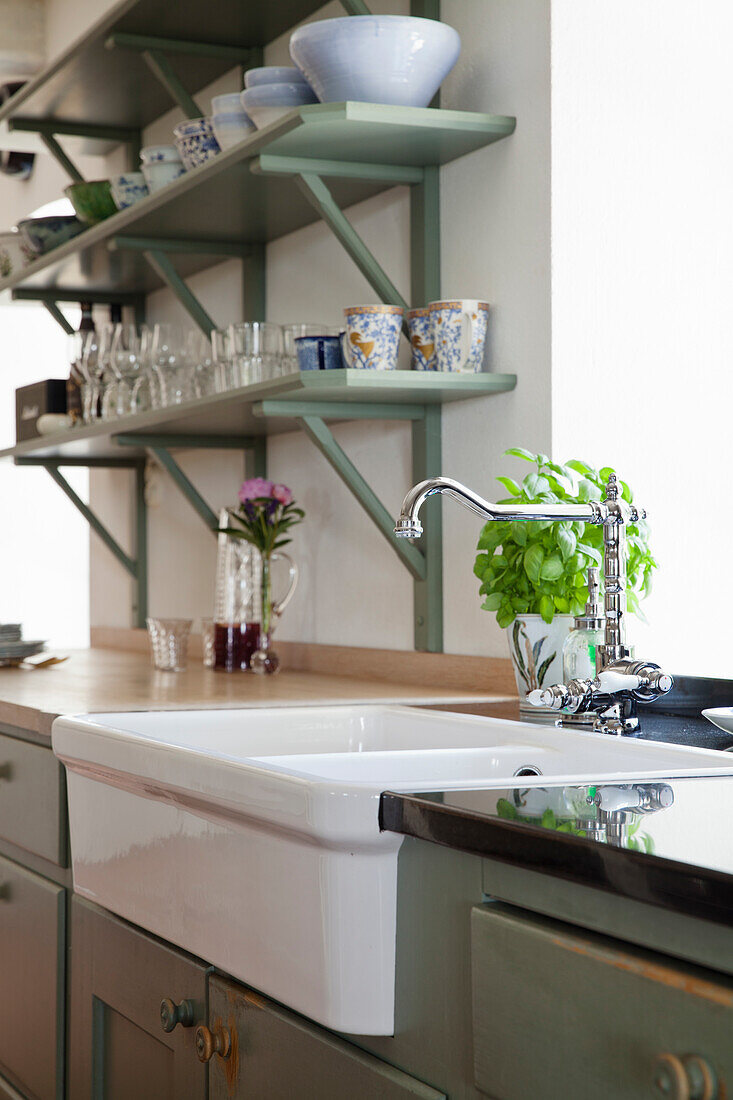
169,643
256,348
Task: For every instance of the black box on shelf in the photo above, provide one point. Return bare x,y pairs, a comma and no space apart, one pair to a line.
33,401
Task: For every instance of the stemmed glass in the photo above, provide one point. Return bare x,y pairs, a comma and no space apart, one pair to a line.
125,363
200,354
146,387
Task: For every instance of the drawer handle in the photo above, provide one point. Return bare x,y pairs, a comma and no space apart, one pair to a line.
172,1014
689,1077
209,1043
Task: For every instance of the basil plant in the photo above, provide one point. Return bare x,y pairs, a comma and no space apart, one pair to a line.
540,567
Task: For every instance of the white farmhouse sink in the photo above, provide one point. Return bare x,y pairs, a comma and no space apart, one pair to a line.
251,837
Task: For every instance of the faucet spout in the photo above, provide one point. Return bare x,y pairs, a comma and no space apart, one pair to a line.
408,525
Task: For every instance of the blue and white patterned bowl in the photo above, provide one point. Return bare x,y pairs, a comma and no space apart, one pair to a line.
42,234
156,154
372,337
128,188
376,58
273,74
196,142
160,173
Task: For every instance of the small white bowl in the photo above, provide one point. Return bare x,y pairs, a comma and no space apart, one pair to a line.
230,129
153,154
273,74
266,103
160,173
229,104
128,188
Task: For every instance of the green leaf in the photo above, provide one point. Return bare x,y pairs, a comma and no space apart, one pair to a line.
505,617
566,543
552,568
505,809
492,602
520,452
479,566
534,484
549,821
533,559
510,485
587,490
580,467
491,536
590,552
547,608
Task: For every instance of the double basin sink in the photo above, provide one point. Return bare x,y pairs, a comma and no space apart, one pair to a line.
251,837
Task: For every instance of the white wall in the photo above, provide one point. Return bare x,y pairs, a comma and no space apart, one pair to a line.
496,245
642,178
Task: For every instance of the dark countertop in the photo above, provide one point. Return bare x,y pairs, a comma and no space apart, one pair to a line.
678,855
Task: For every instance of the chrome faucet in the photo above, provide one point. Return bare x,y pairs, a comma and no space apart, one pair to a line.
608,702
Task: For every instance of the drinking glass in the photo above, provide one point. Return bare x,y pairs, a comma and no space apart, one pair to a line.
256,348
169,643
289,359
172,364
200,355
221,351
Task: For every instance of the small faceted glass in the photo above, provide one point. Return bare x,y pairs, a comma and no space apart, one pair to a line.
169,643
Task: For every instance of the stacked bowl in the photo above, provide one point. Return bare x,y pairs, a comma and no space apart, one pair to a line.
230,121
160,165
273,91
196,142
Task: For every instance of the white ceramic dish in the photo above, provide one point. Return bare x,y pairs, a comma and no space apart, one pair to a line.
722,717
266,103
153,154
230,129
251,837
273,74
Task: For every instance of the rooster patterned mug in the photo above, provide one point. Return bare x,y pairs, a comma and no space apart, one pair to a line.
458,333
372,337
422,343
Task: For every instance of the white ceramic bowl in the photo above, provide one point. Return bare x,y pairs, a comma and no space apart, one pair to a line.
394,59
273,74
265,103
229,104
152,154
230,129
160,173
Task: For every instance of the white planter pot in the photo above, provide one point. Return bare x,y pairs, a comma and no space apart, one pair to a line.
535,648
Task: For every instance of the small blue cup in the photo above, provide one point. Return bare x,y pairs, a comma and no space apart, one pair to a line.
319,352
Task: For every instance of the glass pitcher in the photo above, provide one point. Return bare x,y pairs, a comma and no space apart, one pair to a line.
245,612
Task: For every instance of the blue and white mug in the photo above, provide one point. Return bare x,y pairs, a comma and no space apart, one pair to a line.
422,343
372,337
458,329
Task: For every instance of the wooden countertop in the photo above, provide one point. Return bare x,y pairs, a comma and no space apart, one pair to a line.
100,679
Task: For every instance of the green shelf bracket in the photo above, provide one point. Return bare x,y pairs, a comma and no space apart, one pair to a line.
136,567
49,130
355,7
425,563
272,164
162,69
58,317
142,43
178,245
159,446
164,269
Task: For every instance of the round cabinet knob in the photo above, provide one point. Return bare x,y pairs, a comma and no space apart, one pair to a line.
211,1042
172,1014
689,1077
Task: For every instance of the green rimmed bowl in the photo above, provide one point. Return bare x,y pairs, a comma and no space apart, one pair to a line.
92,202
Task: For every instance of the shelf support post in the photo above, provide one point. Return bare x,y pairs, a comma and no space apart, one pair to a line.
137,567
162,69
164,269
319,196
58,317
428,597
60,157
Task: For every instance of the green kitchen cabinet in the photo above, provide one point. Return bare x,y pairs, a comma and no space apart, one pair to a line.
258,1049
118,1047
600,1018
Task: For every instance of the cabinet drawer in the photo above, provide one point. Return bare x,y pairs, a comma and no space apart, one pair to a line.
277,1055
32,799
31,964
118,1048
565,1015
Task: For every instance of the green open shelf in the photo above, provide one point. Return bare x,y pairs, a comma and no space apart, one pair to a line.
234,414
239,198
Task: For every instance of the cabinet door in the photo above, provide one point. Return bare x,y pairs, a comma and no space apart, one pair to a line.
32,969
273,1055
118,1049
566,1015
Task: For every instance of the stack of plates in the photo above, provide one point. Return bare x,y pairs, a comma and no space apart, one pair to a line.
13,649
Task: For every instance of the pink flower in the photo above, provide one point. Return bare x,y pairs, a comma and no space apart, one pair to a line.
282,494
255,487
